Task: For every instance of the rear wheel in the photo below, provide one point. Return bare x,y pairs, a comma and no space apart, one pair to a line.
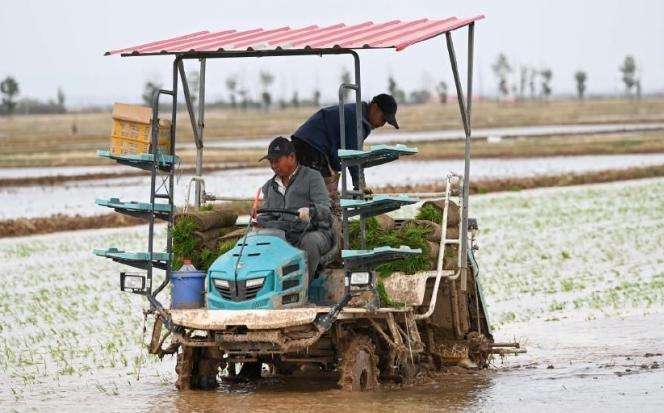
359,365
197,368
251,370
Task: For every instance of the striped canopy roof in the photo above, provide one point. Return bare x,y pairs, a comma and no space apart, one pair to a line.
395,34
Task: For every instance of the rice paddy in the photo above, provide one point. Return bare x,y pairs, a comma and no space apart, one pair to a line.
68,335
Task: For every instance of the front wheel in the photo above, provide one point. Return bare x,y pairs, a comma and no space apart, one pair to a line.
359,365
197,368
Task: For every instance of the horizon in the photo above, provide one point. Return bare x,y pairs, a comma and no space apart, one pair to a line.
87,78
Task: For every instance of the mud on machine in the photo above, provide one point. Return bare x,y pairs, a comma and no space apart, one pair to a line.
260,307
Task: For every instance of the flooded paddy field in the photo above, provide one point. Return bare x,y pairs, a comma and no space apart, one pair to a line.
575,274
6,173
77,197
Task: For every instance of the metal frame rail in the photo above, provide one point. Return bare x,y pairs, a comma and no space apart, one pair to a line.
198,126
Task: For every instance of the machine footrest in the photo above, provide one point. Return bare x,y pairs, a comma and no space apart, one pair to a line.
376,155
137,209
135,259
376,256
143,160
379,204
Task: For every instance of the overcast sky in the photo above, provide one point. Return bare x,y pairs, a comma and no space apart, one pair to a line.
51,44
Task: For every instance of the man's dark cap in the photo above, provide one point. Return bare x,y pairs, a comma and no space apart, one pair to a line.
279,147
388,106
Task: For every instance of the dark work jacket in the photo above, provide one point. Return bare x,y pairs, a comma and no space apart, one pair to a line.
306,188
322,131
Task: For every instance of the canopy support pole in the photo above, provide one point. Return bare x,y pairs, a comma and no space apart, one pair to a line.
201,129
464,109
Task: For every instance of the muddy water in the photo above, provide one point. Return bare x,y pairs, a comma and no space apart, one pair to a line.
613,364
597,366
73,198
443,135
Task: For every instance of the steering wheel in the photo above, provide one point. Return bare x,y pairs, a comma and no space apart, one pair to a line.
277,211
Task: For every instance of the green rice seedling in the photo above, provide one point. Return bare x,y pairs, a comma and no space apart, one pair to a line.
430,213
226,246
385,299
204,259
411,236
185,245
556,306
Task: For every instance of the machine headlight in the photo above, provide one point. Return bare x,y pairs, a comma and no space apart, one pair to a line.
360,278
255,282
133,283
221,283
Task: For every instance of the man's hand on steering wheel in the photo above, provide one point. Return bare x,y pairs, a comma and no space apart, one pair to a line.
304,214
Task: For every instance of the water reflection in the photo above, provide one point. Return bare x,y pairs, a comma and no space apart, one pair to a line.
463,392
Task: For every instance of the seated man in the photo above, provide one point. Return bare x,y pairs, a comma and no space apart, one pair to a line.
298,188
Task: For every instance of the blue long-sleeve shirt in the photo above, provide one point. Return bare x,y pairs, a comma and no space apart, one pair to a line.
322,131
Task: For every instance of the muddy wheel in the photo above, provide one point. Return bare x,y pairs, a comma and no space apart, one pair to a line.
197,368
184,368
479,347
251,370
284,368
397,367
359,365
408,370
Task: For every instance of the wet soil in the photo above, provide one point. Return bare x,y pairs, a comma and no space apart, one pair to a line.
483,186
608,365
62,222
590,315
60,179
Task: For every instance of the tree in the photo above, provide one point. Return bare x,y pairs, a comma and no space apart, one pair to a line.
398,94
580,77
231,85
628,70
193,80
295,100
244,94
523,78
61,100
316,98
532,75
547,75
502,69
266,79
441,89
9,89
420,96
345,79
149,90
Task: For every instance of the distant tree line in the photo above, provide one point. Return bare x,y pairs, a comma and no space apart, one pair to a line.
532,83
531,78
10,90
239,96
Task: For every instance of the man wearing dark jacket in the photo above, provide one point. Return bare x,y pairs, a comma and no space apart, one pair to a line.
297,188
319,138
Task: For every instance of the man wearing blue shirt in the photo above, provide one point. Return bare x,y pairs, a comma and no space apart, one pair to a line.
319,138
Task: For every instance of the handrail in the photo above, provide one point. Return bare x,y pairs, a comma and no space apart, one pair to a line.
441,253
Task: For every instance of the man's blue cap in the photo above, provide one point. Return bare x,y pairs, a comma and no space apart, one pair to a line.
278,147
388,106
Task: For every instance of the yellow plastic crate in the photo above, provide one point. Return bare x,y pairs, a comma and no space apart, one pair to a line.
132,130
135,130
128,146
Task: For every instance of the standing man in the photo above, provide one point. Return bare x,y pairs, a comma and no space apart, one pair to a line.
319,138
297,188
